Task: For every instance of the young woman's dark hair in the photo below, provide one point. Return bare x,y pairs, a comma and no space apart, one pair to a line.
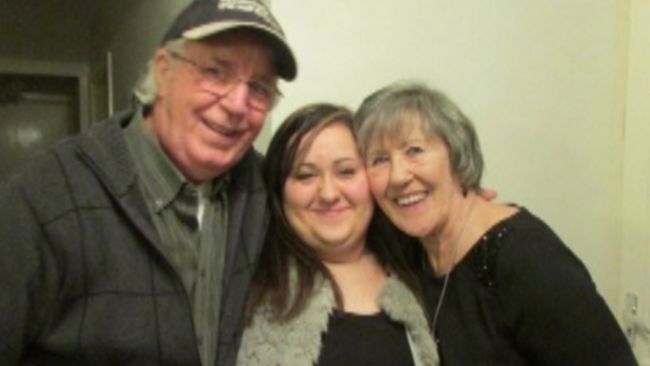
284,248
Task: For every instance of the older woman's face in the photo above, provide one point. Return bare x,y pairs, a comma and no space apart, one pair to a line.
326,196
410,177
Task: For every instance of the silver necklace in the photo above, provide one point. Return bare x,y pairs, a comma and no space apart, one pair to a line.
453,262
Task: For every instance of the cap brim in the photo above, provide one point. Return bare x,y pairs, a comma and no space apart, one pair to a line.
287,68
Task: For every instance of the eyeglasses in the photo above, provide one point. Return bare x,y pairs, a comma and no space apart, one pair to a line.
221,81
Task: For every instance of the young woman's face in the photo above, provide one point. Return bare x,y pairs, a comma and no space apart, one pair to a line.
326,196
410,177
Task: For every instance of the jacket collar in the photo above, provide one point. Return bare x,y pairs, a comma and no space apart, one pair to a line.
105,151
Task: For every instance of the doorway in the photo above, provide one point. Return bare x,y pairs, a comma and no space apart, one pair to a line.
36,112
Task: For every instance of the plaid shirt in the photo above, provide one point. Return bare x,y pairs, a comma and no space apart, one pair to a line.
178,208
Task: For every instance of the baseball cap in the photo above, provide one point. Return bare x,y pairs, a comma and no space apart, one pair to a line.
204,18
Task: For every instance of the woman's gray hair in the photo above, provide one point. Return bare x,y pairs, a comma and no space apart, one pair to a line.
146,89
384,113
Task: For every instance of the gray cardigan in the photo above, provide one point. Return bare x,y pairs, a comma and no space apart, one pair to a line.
81,280
298,341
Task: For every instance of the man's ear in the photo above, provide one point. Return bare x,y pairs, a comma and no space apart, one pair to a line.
161,70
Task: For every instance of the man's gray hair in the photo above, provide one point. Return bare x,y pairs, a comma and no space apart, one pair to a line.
385,112
146,89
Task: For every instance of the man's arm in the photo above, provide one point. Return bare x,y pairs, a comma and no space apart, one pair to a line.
28,278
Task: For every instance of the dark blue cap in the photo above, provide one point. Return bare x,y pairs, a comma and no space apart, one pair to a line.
204,18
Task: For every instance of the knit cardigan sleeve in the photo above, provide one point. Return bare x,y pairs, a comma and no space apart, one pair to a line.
296,342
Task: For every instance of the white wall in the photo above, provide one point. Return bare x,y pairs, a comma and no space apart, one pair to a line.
636,184
544,82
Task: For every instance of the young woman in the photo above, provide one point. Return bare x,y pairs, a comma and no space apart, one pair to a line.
500,287
332,288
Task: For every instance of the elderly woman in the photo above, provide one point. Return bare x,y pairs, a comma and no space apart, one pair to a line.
500,287
331,288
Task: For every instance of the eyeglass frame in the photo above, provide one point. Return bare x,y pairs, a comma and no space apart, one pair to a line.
218,72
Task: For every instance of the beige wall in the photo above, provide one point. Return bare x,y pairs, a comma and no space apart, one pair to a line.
544,81
636,182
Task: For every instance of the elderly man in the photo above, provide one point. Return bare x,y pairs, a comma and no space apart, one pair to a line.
134,243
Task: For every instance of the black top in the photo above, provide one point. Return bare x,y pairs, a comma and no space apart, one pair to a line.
356,340
521,297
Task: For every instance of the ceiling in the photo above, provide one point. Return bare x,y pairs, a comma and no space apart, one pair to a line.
58,28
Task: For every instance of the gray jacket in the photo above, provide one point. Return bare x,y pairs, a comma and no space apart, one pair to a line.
298,341
81,280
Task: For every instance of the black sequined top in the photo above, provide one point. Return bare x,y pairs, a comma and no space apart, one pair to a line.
521,297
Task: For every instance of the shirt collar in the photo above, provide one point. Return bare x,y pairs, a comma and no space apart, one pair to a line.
156,170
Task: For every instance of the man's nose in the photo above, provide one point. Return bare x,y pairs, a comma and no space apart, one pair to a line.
236,100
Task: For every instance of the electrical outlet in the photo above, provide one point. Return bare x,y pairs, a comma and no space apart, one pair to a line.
631,305
630,313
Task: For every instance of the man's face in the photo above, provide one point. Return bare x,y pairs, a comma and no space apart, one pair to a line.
203,129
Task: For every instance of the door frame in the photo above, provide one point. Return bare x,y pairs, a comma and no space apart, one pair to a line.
48,68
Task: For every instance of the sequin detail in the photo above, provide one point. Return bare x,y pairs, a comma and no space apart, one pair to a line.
483,257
